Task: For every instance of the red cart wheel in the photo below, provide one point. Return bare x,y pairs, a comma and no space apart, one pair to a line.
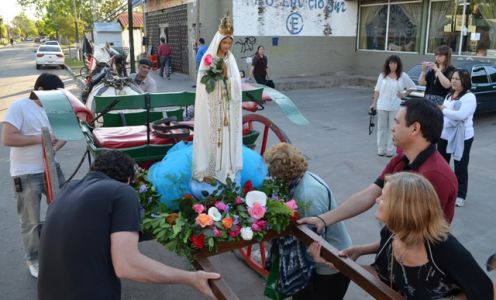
255,255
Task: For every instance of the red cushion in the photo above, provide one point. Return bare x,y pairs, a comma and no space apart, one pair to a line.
127,137
250,106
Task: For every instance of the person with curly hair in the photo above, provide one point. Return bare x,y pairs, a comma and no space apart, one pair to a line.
286,163
90,238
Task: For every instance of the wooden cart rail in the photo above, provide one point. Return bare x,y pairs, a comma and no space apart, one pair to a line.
367,281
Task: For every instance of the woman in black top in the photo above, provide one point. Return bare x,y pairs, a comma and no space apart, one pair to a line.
417,256
437,76
259,66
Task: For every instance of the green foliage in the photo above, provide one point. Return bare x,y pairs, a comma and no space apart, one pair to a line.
213,74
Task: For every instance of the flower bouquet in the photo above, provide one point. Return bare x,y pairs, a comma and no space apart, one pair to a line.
228,214
214,72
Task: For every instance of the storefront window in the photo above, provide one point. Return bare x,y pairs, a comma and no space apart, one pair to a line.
401,33
469,28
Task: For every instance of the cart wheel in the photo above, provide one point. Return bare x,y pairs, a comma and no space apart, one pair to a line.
255,255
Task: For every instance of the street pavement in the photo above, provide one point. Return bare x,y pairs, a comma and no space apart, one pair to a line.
336,144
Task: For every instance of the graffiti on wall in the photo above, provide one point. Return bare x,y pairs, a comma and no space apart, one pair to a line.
247,44
295,17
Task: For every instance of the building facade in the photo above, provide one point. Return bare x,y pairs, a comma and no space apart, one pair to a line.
315,37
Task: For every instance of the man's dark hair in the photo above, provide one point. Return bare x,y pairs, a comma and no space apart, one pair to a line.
48,82
114,164
428,115
202,41
162,39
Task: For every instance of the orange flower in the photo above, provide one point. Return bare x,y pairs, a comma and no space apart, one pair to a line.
171,219
227,222
204,220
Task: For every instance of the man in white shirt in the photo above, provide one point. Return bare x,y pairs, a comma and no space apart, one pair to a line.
21,131
145,82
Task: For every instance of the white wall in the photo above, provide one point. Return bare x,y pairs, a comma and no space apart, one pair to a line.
138,37
111,37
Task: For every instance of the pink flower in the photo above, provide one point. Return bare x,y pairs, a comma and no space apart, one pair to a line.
199,208
207,59
257,211
235,232
238,200
221,206
258,225
292,204
216,231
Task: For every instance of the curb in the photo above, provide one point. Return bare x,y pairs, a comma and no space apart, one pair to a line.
76,78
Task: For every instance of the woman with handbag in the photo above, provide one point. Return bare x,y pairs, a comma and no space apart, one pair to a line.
458,128
259,67
417,256
287,164
392,85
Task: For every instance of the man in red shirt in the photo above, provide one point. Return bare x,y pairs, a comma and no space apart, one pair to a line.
164,54
417,128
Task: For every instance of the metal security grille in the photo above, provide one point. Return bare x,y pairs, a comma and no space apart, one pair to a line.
176,30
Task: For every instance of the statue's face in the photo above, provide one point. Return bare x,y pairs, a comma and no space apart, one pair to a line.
226,44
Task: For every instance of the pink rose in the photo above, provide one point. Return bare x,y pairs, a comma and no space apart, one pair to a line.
199,208
238,200
258,225
292,204
216,231
207,59
221,206
235,232
257,211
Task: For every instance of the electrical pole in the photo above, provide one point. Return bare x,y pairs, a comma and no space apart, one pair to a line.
77,31
130,28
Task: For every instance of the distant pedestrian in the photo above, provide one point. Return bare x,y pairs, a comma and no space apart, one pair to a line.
164,53
12,42
392,85
259,66
202,48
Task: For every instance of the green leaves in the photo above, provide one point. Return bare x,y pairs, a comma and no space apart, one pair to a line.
213,74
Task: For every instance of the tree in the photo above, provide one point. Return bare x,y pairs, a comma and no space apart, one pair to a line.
24,26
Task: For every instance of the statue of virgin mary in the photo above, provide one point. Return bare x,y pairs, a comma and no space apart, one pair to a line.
217,146
217,151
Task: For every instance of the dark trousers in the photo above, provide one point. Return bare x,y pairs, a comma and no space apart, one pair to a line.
461,166
260,79
165,65
328,287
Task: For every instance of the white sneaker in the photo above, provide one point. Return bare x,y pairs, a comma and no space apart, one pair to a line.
33,268
460,202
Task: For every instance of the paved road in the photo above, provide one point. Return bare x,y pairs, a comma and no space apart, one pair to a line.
337,146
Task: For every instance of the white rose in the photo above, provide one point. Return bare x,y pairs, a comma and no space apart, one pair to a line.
246,233
214,213
256,197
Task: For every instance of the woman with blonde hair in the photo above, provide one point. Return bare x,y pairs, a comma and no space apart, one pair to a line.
286,163
417,256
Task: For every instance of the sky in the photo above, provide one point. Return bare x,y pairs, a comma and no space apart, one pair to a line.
9,9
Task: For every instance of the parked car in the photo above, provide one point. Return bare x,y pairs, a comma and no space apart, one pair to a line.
49,55
483,76
53,43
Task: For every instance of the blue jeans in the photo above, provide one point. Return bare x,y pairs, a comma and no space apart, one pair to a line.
28,209
165,64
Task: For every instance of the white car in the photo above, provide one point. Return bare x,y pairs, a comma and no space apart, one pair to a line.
49,55
52,43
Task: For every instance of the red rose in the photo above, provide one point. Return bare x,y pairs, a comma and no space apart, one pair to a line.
198,241
248,187
235,232
296,216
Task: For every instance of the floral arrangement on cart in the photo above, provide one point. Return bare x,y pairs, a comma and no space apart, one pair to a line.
228,214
